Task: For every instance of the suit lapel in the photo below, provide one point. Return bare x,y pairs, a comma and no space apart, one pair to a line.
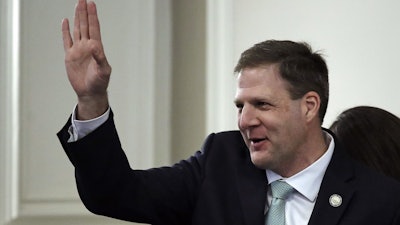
336,191
252,189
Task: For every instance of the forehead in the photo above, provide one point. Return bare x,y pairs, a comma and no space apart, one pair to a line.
250,77
265,78
261,83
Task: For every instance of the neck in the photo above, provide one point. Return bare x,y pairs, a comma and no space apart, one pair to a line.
311,151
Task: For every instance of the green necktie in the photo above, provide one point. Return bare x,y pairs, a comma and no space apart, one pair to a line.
276,212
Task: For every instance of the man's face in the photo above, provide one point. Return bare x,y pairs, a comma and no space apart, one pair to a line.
271,123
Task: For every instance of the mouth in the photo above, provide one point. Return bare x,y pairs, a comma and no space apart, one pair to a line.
256,140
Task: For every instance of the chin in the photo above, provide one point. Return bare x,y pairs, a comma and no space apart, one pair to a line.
258,160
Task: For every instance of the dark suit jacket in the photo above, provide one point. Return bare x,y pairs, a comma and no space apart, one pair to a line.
218,185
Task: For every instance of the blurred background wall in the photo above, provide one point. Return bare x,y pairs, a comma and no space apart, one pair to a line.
172,81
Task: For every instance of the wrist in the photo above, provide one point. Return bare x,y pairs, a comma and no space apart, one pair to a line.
90,107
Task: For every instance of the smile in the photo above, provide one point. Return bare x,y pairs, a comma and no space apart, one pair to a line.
257,140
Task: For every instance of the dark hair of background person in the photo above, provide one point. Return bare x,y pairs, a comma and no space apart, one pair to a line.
371,135
303,69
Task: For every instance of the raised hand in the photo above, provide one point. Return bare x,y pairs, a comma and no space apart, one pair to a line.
86,64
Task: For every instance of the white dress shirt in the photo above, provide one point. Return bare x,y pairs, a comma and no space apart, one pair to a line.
81,128
306,183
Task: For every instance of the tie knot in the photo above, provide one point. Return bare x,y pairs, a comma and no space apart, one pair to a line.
281,189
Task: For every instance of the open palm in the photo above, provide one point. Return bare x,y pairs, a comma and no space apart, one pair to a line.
87,67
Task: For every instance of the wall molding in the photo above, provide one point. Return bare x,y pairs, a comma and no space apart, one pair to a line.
9,98
220,113
15,207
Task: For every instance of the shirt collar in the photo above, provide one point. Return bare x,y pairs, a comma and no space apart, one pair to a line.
308,181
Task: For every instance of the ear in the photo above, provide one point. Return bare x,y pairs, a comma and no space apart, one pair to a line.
311,103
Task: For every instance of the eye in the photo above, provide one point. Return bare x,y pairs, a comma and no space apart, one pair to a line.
239,106
263,105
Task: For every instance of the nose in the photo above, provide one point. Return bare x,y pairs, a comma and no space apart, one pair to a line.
248,117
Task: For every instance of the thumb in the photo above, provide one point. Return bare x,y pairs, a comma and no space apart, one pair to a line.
99,56
101,60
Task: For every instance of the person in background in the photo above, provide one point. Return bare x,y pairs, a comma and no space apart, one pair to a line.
280,168
371,135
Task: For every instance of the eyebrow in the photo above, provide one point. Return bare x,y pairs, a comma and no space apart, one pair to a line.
236,101
255,100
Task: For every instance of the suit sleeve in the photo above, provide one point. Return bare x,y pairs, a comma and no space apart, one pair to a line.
396,220
108,186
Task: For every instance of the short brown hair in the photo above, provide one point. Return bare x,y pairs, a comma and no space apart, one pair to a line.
303,69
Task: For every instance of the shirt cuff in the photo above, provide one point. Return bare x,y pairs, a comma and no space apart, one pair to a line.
81,128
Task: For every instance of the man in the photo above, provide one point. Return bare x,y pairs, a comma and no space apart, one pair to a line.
282,96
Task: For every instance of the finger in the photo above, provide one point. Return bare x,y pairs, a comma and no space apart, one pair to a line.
94,25
77,32
83,19
67,40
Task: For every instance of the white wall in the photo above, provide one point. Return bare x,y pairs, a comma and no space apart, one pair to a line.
359,38
36,178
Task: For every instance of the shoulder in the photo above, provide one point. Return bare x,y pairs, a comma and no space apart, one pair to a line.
371,179
229,135
227,144
366,177
223,140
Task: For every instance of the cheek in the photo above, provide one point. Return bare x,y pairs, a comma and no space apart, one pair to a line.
239,122
296,122
271,121
278,127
